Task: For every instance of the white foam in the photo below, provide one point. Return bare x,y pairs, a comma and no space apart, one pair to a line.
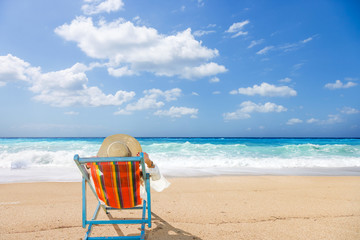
40,174
52,160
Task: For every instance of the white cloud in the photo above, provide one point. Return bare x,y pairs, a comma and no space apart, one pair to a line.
332,119
150,100
237,28
131,49
61,88
312,120
255,42
339,85
294,121
266,90
144,103
285,80
214,80
294,46
234,92
216,92
69,87
265,50
122,71
14,69
194,94
123,112
95,6
205,70
238,114
307,40
287,47
349,110
177,112
249,107
200,33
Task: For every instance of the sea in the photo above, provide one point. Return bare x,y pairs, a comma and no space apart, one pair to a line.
51,159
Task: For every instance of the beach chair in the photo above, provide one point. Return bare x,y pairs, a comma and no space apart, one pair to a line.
115,181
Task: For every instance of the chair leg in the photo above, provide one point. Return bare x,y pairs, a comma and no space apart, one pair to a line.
87,235
143,218
83,202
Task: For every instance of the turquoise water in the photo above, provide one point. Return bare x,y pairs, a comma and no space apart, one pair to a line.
186,156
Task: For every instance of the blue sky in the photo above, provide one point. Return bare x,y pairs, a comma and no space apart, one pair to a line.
180,68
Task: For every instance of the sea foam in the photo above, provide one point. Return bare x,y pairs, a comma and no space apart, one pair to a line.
51,159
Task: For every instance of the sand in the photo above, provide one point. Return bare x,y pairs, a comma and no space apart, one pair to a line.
236,207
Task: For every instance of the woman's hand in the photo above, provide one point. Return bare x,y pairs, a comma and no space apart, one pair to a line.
148,162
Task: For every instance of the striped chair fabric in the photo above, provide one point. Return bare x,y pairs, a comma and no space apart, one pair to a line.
117,184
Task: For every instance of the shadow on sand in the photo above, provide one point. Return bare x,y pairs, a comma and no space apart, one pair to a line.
161,230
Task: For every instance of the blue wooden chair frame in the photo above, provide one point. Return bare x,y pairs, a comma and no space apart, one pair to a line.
146,203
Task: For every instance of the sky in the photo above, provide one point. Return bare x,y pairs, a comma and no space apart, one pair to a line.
184,68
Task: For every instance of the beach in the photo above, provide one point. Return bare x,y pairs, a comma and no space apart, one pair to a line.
223,207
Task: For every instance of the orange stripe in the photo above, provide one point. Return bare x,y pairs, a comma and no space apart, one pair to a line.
101,187
131,186
115,188
95,180
125,185
106,169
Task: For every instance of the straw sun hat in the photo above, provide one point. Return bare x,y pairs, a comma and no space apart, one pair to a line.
119,145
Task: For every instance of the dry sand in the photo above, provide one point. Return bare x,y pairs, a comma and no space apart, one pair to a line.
239,207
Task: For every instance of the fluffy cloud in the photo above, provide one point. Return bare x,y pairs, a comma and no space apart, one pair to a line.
59,88
205,70
95,6
249,107
131,49
150,100
177,112
14,69
338,85
294,121
122,71
266,90
237,27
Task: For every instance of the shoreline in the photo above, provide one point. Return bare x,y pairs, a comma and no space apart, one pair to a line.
71,174
221,207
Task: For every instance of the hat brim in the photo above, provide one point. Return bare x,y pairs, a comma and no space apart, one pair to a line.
132,144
